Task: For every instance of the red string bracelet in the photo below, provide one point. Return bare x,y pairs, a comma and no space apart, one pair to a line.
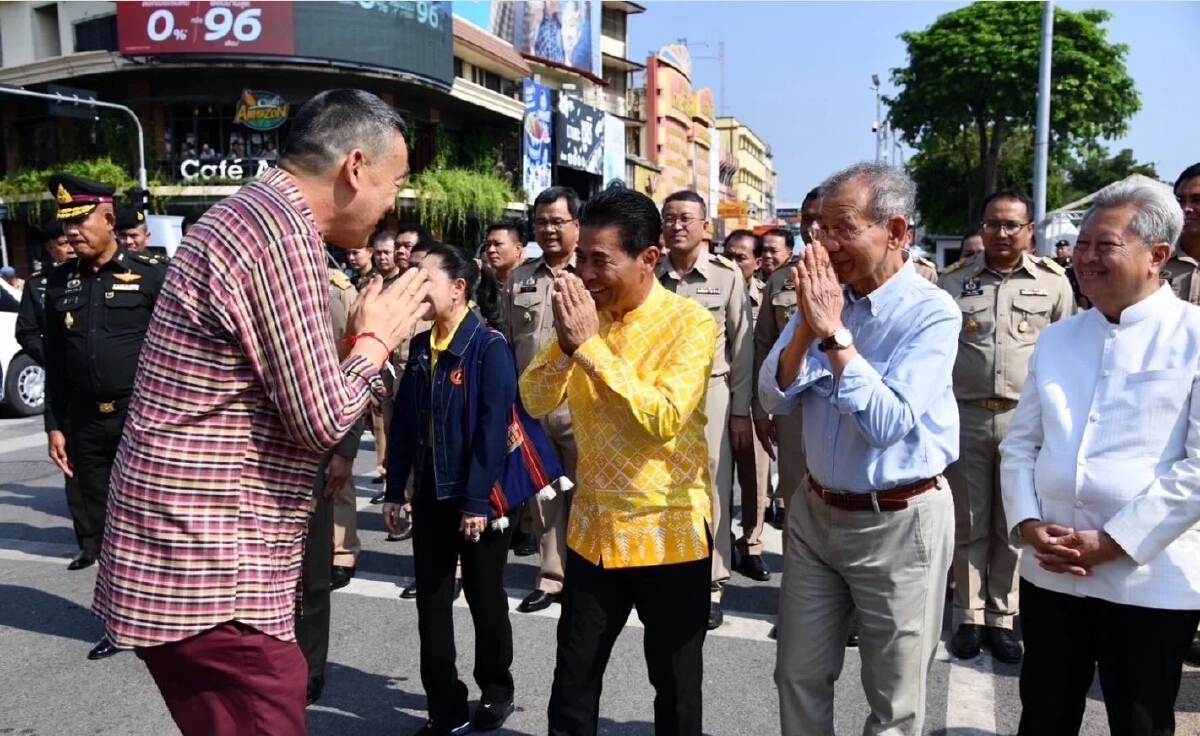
352,339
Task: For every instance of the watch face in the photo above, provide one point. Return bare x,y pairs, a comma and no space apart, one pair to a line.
842,338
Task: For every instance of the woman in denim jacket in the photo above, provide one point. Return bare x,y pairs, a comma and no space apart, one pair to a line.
453,468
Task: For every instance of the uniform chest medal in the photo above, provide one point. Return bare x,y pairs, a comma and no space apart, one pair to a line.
528,317
972,325
1024,326
456,376
68,320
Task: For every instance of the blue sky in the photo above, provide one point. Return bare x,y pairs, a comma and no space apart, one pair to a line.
799,73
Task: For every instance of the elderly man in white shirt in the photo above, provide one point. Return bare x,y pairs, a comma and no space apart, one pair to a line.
1101,477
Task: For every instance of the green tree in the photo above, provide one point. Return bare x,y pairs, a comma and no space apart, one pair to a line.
1095,169
972,76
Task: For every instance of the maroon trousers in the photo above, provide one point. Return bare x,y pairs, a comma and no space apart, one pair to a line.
231,680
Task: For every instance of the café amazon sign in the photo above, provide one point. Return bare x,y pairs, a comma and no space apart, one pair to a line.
260,110
234,169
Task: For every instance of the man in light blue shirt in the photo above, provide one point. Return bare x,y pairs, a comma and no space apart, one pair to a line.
868,356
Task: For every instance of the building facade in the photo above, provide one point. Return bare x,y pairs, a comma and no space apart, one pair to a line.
752,178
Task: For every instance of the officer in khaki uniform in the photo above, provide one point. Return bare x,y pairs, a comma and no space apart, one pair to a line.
689,270
924,267
752,464
1182,268
531,322
317,579
1007,298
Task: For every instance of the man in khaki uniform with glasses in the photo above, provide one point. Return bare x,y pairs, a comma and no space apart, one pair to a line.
690,270
1007,298
531,325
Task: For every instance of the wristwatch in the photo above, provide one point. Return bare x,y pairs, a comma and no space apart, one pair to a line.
839,340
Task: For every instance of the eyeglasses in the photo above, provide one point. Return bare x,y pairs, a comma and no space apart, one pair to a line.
992,227
557,223
672,220
841,234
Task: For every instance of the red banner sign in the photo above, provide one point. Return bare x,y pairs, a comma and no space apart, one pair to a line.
150,27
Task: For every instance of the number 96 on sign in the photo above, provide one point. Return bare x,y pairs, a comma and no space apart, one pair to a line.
198,27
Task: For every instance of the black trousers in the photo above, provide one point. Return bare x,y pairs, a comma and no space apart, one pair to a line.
1139,652
672,602
92,441
438,545
312,625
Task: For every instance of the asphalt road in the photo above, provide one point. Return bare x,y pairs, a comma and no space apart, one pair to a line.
48,688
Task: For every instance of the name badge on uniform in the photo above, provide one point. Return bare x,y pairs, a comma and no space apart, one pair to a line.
1034,292
972,287
126,287
708,292
528,286
68,301
789,285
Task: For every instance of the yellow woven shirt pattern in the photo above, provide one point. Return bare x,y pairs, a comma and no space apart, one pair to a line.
636,393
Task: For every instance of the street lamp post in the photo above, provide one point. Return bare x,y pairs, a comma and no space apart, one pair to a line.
1041,146
75,100
877,127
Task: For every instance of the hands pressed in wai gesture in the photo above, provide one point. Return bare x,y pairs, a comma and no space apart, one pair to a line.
818,292
390,313
575,318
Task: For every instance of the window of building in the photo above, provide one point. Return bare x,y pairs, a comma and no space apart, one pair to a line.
458,68
494,82
613,24
97,34
45,32
207,134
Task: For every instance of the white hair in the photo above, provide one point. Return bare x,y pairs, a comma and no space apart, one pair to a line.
893,192
1157,217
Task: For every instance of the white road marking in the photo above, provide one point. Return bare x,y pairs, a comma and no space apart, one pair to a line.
970,694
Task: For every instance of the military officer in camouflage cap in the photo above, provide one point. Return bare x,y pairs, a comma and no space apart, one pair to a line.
1007,297
97,309
690,270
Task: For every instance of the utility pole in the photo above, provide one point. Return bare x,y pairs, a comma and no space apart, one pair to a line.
74,100
1041,147
877,127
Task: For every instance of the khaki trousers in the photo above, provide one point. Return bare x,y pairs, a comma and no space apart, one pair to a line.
345,525
986,576
793,465
753,468
381,421
550,517
891,567
720,469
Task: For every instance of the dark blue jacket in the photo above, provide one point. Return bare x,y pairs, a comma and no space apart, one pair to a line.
456,474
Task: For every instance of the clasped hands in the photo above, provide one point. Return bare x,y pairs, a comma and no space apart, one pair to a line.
818,295
575,318
1060,549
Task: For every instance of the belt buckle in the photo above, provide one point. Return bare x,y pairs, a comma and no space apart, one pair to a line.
107,407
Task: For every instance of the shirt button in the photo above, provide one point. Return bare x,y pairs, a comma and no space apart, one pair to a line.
1112,333
1081,462
1094,417
1079,504
1105,374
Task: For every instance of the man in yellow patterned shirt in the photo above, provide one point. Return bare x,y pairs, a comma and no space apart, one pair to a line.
632,361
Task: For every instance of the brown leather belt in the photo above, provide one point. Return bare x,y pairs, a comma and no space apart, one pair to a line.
890,500
995,404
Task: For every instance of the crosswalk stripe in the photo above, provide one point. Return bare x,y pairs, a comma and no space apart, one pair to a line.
970,693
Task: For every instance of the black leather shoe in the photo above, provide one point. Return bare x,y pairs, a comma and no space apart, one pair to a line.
525,546
1192,656
536,601
773,634
716,616
103,649
409,593
378,498
490,716
432,729
315,686
81,562
1004,645
403,536
967,640
778,517
855,625
753,567
341,577
769,513
379,479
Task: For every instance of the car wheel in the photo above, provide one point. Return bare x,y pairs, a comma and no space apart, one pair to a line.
25,386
